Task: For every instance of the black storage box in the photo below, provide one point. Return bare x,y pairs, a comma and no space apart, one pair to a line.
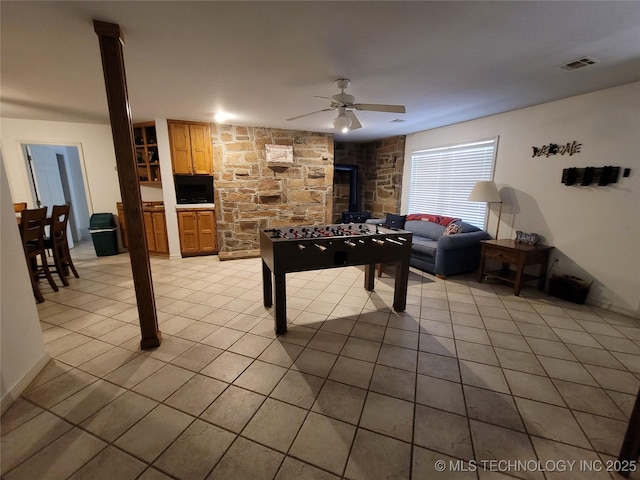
103,233
355,217
570,288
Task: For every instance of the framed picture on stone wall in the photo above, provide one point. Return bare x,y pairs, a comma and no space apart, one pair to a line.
279,155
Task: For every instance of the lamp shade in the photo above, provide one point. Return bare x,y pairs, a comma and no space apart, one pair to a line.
485,191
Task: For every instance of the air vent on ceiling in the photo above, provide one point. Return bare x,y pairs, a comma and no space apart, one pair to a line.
579,63
396,120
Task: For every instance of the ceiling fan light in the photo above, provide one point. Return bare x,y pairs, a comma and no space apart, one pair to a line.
342,122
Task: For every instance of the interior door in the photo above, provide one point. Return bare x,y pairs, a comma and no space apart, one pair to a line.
47,181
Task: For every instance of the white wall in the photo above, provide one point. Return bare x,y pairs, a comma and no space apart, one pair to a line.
595,230
168,187
95,147
97,159
22,352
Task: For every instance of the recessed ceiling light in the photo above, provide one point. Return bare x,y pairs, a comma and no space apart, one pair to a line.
222,117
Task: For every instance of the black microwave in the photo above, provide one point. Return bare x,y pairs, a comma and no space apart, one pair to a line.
196,189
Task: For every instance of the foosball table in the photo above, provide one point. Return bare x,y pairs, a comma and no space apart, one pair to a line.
299,249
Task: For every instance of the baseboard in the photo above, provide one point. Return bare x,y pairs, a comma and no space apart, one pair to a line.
13,394
239,254
613,308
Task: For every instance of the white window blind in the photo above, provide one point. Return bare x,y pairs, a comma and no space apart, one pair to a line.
442,178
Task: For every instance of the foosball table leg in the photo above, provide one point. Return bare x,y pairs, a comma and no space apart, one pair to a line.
369,276
267,293
280,304
400,290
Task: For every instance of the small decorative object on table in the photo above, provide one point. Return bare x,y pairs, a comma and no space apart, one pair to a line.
530,238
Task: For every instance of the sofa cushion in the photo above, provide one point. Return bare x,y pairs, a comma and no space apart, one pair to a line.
467,227
427,217
395,221
419,228
424,246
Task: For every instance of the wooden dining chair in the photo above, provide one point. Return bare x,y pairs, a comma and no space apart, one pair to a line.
32,224
19,207
58,243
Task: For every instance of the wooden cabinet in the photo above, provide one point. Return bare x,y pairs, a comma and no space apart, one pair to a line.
148,161
155,227
197,229
123,224
191,152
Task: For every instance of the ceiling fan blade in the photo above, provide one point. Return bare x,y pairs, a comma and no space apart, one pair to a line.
355,123
374,107
307,114
323,98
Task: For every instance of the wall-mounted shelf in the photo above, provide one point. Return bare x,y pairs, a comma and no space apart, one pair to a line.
600,176
148,161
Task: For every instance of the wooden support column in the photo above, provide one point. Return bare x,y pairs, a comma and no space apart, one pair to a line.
630,450
111,42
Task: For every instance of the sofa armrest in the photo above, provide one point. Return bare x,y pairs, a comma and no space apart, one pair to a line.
462,240
459,253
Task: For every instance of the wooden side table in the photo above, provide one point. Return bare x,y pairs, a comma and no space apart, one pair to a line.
510,252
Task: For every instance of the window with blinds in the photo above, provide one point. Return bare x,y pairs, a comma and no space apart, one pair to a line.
442,178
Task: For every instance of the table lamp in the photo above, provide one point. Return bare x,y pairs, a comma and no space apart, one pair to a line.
487,191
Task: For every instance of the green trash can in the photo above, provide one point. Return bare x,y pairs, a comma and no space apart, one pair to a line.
103,233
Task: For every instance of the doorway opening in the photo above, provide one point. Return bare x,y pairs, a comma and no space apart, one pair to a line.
56,178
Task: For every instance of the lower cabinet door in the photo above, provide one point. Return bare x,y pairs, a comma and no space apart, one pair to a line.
123,224
188,229
207,232
160,232
197,230
149,231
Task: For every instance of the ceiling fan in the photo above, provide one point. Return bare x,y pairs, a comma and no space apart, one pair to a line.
345,104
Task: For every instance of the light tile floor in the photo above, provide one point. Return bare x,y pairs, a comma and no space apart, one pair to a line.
469,373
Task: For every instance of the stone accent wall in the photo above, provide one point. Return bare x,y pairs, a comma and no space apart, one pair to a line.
380,166
383,192
251,196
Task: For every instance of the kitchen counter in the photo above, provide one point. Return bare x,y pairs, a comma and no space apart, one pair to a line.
191,206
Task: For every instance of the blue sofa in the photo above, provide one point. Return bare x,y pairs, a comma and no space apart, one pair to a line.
443,255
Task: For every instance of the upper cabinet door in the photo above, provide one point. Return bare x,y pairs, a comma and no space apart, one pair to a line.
180,142
201,148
